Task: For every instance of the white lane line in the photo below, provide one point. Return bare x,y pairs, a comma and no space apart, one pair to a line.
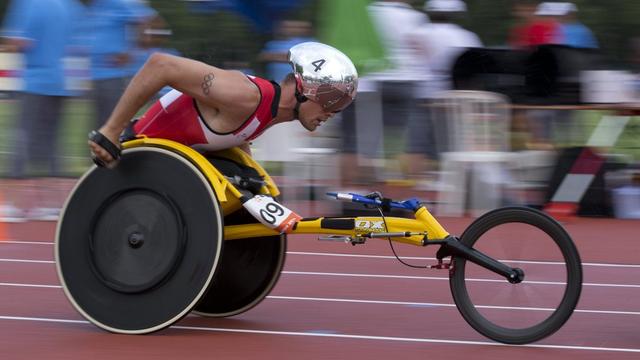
384,302
447,279
31,285
433,259
405,339
28,261
383,276
349,336
387,257
423,304
24,318
26,242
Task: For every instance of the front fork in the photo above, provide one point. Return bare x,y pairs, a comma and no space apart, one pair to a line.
451,246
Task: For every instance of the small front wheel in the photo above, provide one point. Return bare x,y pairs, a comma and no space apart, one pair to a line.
529,310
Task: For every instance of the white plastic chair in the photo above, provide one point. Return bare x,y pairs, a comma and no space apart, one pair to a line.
473,168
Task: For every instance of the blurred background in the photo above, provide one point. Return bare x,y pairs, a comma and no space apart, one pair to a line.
468,105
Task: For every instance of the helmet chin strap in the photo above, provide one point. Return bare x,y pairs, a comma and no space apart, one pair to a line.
299,100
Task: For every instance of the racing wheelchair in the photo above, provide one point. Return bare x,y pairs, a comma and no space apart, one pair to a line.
170,232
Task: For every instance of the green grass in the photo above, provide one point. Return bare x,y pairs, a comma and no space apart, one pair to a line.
628,143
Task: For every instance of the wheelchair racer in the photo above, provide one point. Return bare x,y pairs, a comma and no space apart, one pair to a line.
213,109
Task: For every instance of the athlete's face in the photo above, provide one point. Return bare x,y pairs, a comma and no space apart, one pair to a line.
313,115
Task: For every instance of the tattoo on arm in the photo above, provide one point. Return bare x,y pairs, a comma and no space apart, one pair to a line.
206,84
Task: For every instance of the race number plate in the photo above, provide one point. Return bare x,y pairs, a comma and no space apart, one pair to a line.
271,214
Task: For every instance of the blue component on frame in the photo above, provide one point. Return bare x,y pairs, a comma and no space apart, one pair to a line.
410,204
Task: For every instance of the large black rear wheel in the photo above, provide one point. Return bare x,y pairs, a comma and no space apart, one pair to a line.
248,271
137,246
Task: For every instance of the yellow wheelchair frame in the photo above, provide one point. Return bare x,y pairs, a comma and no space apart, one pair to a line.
422,231
424,228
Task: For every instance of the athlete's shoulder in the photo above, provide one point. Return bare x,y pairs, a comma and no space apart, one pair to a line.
244,86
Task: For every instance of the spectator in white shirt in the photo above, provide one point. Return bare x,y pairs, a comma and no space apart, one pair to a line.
437,44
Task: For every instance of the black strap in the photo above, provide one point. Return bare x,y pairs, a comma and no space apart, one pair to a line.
276,99
106,144
300,97
299,100
129,132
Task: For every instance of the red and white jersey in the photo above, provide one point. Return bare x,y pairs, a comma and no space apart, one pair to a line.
176,117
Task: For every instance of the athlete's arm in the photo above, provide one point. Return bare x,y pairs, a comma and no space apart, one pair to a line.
208,84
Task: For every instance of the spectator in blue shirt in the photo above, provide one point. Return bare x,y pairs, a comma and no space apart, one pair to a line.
110,30
572,32
40,30
274,53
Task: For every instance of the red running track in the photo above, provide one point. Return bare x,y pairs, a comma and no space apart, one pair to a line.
333,301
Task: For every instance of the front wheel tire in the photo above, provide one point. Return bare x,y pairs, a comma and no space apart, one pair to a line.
535,308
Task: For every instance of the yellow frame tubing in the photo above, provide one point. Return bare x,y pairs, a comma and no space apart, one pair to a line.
425,224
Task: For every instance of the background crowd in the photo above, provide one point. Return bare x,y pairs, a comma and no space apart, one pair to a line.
64,64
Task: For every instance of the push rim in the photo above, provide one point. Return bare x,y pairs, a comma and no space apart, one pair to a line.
176,281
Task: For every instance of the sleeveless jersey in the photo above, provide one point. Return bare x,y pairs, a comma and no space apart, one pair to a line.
175,116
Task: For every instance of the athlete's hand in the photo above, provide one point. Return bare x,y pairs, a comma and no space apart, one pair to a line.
103,153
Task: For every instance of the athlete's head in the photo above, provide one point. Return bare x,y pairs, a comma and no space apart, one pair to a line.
326,77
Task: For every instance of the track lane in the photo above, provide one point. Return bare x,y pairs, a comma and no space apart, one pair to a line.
594,336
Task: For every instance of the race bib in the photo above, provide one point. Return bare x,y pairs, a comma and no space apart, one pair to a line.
271,214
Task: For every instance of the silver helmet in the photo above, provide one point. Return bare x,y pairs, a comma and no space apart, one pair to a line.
324,75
